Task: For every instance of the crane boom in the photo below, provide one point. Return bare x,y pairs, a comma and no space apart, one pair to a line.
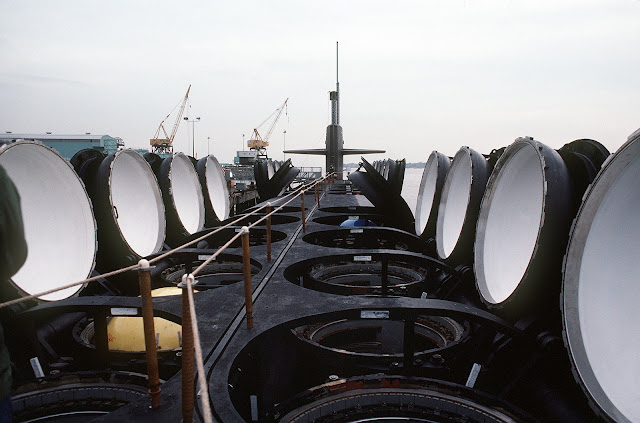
257,142
180,113
273,125
165,145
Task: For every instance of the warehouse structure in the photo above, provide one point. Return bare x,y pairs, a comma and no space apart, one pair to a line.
68,145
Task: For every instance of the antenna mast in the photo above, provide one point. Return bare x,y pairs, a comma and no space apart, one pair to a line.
334,96
337,67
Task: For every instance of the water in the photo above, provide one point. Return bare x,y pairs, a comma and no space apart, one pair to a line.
411,186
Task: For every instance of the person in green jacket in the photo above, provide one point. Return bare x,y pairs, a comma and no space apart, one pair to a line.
13,253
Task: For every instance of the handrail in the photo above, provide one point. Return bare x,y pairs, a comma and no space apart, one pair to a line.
248,227
155,259
190,323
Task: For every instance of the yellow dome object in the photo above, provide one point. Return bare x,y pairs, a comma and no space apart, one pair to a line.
166,291
127,334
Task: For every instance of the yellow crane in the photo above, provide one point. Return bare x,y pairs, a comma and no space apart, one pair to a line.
259,143
165,145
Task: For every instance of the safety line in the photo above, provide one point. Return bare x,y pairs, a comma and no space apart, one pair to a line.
204,391
160,257
220,250
231,330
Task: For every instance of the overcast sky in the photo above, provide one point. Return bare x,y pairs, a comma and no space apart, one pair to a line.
415,76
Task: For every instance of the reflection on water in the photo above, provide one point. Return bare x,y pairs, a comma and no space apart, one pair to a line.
411,186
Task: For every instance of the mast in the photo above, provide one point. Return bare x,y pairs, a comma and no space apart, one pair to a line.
337,89
334,96
334,150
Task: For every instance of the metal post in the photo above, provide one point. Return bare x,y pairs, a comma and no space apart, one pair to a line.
149,333
315,186
100,334
304,226
268,231
187,355
408,347
246,270
384,275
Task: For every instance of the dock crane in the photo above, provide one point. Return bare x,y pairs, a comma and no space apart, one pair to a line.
259,143
165,145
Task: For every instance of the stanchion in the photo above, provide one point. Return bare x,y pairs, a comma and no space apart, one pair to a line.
315,186
268,231
149,333
246,270
384,275
101,335
324,187
409,346
187,355
304,224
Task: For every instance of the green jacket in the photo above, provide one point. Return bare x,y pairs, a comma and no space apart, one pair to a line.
13,253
